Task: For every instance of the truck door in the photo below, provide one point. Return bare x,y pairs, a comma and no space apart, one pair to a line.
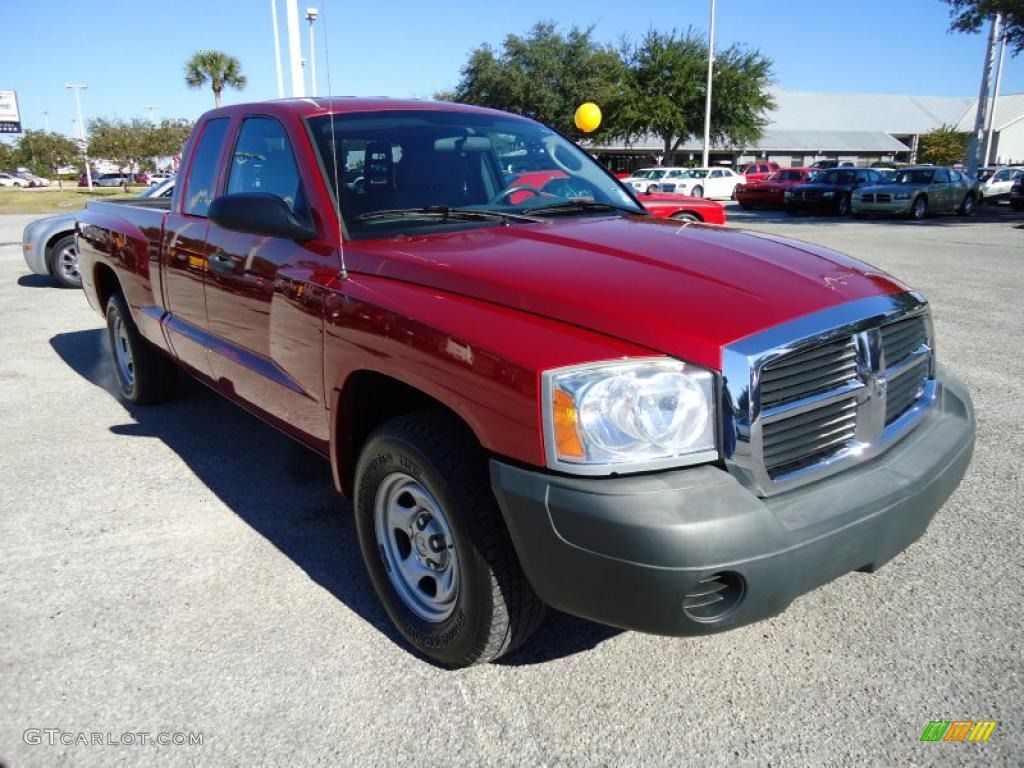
265,314
183,249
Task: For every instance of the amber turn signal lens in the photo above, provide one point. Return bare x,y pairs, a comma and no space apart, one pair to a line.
567,441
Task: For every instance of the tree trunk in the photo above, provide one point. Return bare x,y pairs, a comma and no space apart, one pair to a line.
216,96
669,156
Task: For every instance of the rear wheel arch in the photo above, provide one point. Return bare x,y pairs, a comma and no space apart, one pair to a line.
366,400
106,284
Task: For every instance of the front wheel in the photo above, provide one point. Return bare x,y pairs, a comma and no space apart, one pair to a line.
967,206
652,188
698,191
843,205
685,216
919,208
144,375
64,263
435,545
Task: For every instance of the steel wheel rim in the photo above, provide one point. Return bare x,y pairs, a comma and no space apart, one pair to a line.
123,353
416,545
67,263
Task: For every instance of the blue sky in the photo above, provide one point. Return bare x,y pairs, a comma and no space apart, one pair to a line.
132,52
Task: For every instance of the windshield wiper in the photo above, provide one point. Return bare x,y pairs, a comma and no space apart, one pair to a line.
443,213
571,206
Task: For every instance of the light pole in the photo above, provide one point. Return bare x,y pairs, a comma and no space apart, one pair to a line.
81,127
277,50
995,99
150,108
977,135
291,21
311,14
707,101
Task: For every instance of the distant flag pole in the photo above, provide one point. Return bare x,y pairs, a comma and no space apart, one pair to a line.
995,98
974,148
707,101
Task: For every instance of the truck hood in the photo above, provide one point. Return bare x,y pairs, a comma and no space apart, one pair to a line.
685,291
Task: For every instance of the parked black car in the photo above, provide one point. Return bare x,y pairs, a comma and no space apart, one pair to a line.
829,190
1017,194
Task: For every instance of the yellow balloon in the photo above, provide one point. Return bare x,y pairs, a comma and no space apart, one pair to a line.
588,117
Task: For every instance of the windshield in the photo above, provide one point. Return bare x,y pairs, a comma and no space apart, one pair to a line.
1006,174
405,161
835,176
913,176
696,173
786,176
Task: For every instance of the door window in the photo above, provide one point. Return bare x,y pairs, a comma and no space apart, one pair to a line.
202,175
941,176
263,162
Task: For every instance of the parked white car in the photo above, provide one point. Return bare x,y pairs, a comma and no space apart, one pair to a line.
648,180
158,177
10,180
706,182
997,186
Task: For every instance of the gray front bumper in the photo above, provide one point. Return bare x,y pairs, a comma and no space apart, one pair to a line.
626,551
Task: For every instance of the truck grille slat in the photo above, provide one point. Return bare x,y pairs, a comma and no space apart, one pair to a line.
902,338
805,373
904,390
819,417
807,440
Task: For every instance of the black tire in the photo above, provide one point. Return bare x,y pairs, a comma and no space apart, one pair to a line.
64,263
652,188
843,205
494,609
919,208
967,206
732,195
697,191
151,377
686,216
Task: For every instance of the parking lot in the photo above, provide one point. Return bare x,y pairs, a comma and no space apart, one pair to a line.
187,569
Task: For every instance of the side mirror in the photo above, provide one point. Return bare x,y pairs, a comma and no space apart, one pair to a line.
259,213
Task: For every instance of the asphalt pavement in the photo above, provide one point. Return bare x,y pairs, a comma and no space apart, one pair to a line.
185,569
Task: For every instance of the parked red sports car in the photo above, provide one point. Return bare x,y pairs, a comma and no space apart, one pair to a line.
769,192
683,208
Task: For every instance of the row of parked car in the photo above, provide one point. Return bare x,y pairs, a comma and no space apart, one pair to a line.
120,179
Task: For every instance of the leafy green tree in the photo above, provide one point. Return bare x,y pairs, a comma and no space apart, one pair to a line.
6,155
943,146
216,68
545,75
972,15
123,142
43,152
667,84
167,138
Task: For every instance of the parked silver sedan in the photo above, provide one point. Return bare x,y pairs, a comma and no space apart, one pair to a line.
918,192
49,248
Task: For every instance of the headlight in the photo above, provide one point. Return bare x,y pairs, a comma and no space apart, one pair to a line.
788,193
828,194
901,196
629,416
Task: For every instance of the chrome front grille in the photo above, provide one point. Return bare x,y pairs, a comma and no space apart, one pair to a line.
794,442
827,391
805,373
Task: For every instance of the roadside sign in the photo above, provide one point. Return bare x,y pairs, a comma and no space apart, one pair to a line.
10,118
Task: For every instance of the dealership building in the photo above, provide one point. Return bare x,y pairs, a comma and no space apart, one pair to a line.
861,128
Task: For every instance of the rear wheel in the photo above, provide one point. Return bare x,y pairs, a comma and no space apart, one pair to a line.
698,191
686,216
144,376
64,262
919,208
435,545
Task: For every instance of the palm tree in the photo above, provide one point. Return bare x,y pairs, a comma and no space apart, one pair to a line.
214,67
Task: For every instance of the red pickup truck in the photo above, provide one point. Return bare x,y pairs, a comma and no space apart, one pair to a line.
561,400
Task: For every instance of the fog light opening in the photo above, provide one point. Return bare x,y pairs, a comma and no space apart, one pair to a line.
714,597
